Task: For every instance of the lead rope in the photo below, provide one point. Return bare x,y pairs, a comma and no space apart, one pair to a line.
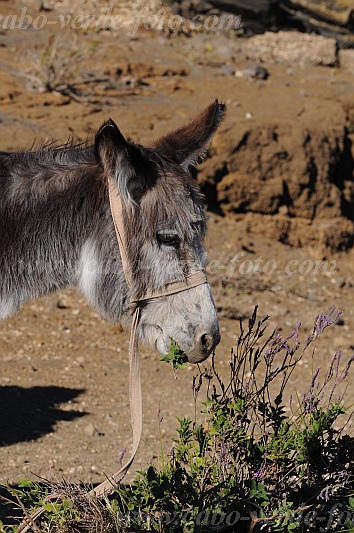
136,412
135,401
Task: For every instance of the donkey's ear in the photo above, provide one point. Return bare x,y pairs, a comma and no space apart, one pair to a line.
187,145
114,154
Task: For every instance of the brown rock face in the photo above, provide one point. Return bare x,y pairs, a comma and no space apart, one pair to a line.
303,177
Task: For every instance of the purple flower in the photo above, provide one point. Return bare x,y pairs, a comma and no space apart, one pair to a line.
260,472
122,454
346,370
224,457
278,343
334,365
324,320
314,377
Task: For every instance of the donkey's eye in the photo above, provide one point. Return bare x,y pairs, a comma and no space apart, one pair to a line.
168,238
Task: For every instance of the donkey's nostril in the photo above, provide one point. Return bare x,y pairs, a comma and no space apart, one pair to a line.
207,342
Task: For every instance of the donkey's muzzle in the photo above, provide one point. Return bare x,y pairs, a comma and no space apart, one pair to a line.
205,345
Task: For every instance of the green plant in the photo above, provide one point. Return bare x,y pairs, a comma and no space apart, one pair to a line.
175,357
251,458
255,461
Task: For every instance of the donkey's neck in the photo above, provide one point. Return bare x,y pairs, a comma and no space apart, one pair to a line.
54,222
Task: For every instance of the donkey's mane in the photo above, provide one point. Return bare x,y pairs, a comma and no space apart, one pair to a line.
53,152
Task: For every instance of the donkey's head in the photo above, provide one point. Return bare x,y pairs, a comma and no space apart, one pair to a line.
165,224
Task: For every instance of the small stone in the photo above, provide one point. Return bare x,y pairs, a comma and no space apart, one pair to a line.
304,93
254,70
340,282
90,430
63,303
248,115
283,210
228,70
129,81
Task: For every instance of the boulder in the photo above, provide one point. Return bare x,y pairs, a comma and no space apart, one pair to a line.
290,182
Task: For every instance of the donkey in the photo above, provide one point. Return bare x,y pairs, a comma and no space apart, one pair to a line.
57,231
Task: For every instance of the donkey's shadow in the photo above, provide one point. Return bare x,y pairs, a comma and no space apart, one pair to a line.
29,413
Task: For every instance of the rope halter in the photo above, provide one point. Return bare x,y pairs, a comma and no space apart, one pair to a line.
192,280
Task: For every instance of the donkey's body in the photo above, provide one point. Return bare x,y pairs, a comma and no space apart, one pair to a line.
56,230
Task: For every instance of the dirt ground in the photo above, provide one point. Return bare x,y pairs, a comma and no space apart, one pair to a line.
63,370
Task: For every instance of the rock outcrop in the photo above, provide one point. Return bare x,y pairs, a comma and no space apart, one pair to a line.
291,183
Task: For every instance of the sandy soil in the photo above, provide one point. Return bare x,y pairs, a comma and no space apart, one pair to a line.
63,370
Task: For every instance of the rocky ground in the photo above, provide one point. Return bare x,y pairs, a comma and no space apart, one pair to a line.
279,186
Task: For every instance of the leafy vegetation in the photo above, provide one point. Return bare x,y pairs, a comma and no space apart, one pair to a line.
175,357
259,457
